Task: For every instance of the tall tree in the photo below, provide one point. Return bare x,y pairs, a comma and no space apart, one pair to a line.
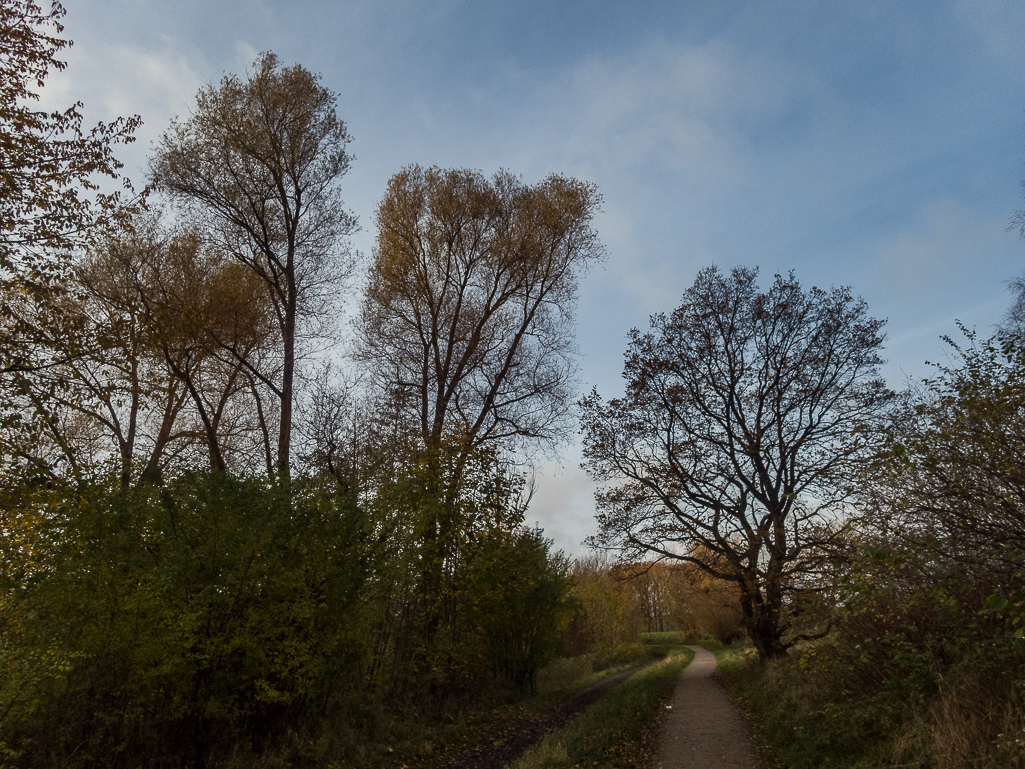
467,325
744,416
50,203
469,309
258,163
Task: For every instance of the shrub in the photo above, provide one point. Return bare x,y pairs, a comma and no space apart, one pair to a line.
171,625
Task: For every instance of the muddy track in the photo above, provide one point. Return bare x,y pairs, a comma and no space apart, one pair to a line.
512,743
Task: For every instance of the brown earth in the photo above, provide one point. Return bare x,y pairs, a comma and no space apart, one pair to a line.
513,742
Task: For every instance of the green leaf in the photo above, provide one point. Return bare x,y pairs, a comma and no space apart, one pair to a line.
996,602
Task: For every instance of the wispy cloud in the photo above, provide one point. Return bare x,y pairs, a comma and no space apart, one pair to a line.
663,105
121,80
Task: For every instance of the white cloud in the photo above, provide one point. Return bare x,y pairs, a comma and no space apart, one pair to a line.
662,105
665,121
563,504
122,80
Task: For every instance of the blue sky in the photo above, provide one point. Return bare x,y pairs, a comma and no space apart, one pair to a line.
873,144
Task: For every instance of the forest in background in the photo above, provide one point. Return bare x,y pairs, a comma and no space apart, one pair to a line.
217,549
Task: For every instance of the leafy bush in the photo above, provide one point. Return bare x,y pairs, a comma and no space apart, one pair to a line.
521,602
180,622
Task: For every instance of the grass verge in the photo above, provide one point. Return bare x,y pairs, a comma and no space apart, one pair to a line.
618,731
402,739
806,714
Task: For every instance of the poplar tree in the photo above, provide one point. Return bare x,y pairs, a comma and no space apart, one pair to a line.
257,165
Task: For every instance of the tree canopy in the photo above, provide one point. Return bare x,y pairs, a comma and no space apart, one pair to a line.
744,416
469,309
258,163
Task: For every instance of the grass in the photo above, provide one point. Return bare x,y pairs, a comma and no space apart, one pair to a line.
801,717
420,742
617,731
566,674
798,726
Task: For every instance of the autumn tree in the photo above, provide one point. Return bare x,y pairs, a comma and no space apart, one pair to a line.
467,324
169,304
110,388
703,605
51,169
745,414
469,308
257,165
608,610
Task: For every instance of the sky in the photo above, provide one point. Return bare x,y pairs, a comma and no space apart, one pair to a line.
876,145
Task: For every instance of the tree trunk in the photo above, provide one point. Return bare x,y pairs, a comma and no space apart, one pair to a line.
762,622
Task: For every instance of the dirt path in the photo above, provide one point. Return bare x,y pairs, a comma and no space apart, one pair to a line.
703,730
514,742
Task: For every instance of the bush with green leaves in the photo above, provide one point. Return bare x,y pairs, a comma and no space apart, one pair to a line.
521,602
168,625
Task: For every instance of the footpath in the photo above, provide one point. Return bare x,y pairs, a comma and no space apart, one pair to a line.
703,729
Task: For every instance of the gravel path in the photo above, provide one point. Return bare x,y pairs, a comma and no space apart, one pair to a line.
703,730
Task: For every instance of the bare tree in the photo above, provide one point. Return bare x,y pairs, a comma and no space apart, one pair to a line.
744,416
257,164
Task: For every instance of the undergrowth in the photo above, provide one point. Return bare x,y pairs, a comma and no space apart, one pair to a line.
617,730
818,708
413,740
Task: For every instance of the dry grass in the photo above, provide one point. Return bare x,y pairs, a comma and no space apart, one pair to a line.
616,730
964,727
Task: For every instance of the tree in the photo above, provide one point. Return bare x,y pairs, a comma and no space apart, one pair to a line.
258,163
469,309
744,416
137,374
50,204
48,165
607,612
467,326
521,597
170,303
